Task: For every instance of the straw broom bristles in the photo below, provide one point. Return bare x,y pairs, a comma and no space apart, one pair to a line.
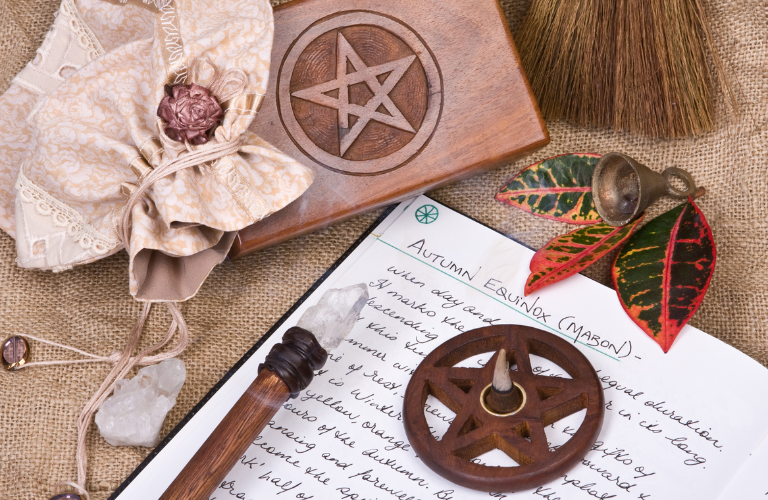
645,66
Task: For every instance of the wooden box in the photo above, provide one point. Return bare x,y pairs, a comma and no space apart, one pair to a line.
386,99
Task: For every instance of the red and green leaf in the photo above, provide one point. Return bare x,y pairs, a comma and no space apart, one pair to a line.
558,188
568,254
663,271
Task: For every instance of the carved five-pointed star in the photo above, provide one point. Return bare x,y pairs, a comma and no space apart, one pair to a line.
521,436
362,73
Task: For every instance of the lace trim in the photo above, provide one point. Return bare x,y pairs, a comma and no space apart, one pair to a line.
249,200
151,5
83,34
63,216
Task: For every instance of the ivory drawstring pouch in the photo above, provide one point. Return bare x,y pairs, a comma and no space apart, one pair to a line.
91,163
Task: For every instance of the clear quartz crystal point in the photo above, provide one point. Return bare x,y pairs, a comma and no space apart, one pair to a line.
135,412
333,317
502,382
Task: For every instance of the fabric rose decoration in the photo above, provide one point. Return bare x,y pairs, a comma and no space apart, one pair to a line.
190,111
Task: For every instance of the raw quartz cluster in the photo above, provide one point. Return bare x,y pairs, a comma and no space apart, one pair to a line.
333,317
134,414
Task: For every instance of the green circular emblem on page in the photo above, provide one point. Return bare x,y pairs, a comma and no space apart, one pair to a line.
427,214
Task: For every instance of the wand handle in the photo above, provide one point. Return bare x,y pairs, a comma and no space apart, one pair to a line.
287,370
231,439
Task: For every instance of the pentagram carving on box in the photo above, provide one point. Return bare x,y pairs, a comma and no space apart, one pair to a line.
354,93
386,100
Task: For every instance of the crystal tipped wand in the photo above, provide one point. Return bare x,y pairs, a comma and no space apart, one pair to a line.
287,370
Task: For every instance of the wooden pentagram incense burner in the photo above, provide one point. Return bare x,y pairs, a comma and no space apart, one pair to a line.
479,427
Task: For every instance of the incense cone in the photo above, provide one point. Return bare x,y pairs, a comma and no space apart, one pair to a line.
502,382
504,397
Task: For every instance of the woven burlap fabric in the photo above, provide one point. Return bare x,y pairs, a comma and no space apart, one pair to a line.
90,308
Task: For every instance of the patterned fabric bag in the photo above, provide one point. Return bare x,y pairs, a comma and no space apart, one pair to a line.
129,130
79,131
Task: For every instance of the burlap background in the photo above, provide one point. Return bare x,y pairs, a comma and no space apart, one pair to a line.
90,307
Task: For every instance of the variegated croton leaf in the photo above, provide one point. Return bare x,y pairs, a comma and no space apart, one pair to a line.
663,271
558,188
569,253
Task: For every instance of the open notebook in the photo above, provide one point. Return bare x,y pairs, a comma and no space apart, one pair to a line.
690,424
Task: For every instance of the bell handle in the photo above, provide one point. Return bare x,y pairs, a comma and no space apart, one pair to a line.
690,184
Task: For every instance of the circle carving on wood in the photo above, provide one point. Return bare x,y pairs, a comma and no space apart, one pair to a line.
360,93
474,431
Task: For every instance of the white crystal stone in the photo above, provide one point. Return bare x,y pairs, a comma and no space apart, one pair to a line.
333,317
135,412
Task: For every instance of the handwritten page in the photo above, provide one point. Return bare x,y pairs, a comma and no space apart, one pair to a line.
751,481
682,425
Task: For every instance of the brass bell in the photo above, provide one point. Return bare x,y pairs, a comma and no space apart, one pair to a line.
622,188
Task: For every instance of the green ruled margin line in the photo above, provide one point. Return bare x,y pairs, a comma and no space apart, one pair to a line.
378,238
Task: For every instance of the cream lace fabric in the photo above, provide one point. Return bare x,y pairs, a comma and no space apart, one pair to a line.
51,235
82,115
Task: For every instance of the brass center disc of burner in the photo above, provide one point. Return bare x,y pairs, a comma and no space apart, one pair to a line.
487,389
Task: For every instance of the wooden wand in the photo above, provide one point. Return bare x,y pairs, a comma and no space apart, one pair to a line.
287,370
